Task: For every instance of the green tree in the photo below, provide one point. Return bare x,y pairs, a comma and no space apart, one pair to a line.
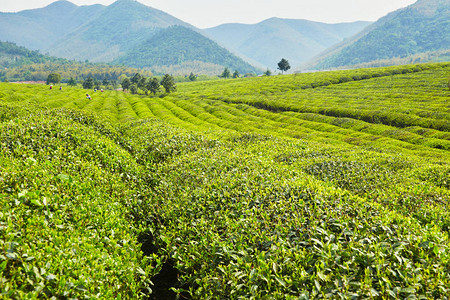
126,83
133,88
142,83
268,73
88,83
97,84
53,78
236,74
168,82
113,83
226,73
192,77
105,81
283,65
122,77
153,85
136,78
72,81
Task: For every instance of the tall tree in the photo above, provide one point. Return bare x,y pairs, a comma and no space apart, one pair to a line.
72,81
153,85
88,83
142,83
133,88
192,77
126,83
283,65
136,78
236,74
168,82
226,73
53,78
97,84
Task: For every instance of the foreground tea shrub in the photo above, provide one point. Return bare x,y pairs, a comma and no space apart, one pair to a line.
66,226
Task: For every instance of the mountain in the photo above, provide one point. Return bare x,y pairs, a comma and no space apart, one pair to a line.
40,28
419,30
270,40
113,33
118,28
177,45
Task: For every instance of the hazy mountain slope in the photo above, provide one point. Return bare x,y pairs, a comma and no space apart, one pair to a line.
423,27
12,55
40,28
18,63
105,33
268,41
121,26
177,45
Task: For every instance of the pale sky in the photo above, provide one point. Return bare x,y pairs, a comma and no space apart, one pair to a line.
209,13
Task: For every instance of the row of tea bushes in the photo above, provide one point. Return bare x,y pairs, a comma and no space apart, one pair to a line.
66,219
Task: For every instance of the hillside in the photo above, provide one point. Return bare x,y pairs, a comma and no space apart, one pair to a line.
268,41
18,64
316,185
178,45
120,27
38,29
422,29
12,55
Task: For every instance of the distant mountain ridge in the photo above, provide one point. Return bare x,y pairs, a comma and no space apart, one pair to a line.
270,40
116,29
97,33
130,33
40,28
419,30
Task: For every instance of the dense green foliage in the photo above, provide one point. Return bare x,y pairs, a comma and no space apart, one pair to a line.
53,78
421,28
168,83
19,64
177,45
319,185
12,55
283,65
67,195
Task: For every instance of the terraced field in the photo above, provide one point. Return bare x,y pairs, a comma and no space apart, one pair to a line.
319,185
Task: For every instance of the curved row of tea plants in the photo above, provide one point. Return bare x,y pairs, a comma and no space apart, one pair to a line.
68,226
248,215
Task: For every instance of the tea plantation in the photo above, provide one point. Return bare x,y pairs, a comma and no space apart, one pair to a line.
320,185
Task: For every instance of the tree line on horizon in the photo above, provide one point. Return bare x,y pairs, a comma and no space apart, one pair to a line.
148,84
